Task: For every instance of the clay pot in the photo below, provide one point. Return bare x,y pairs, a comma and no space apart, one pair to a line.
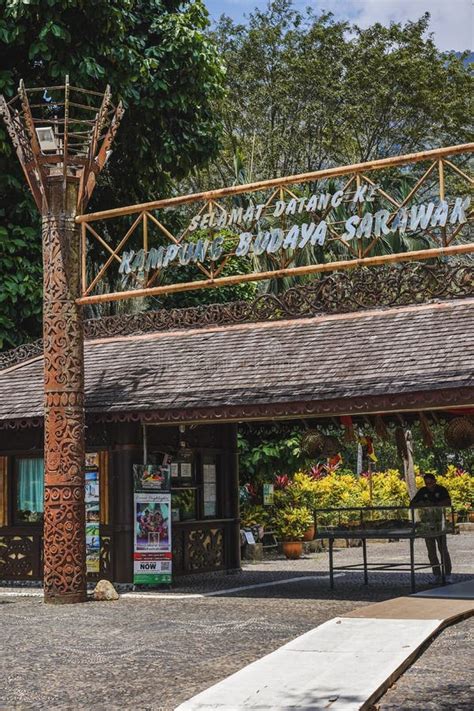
309,534
292,549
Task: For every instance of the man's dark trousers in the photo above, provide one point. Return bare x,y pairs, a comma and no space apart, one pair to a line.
443,551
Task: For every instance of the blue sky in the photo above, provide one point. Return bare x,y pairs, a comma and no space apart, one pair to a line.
452,21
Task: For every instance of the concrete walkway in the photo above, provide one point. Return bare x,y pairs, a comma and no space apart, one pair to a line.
346,663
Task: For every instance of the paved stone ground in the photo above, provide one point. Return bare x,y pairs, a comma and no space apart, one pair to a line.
442,678
153,653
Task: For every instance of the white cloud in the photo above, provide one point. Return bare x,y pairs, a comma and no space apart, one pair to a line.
452,21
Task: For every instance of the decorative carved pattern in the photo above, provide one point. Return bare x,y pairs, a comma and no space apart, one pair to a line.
205,549
64,544
400,402
22,423
106,548
58,181
178,550
65,550
340,292
16,131
17,557
17,355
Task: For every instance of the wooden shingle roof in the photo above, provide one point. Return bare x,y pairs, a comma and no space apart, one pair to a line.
426,348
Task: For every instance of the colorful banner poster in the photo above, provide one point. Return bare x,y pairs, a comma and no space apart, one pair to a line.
92,515
151,477
152,539
152,568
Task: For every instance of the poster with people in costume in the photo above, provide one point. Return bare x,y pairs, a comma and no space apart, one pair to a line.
152,525
92,514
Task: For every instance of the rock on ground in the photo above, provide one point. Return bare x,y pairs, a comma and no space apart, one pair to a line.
104,590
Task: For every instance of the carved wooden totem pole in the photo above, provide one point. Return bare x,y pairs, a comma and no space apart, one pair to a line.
62,136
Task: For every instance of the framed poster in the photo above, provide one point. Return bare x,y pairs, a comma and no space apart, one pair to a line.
92,460
209,482
152,522
151,477
186,470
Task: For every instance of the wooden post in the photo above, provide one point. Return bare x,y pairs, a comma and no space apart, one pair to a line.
371,484
61,183
231,471
408,465
64,512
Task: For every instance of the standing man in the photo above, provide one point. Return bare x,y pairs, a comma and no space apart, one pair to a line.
432,494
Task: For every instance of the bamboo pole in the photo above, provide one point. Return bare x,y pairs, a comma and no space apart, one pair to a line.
442,195
379,164
459,171
278,273
84,258
115,253
145,232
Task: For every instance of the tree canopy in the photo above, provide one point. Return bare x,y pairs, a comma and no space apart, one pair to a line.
305,91
158,58
302,91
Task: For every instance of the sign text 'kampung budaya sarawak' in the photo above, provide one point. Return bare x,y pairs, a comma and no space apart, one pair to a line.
255,237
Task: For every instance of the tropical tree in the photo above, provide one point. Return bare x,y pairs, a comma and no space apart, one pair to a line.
159,59
306,91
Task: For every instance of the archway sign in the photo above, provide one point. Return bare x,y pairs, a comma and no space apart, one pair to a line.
331,219
409,207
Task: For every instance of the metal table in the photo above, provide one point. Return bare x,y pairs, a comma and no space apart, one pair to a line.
408,523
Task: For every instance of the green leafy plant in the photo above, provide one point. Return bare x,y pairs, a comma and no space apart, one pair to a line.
254,515
291,523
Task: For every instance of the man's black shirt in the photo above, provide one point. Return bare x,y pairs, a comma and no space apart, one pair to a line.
431,497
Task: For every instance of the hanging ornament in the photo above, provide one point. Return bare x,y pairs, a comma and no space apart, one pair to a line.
312,443
349,434
459,433
367,442
331,446
426,434
401,443
381,428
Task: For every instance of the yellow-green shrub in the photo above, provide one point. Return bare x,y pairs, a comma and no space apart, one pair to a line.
388,489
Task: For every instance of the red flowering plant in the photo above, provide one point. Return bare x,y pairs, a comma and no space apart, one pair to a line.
281,481
318,471
252,492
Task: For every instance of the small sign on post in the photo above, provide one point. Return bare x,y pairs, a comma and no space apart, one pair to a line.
268,494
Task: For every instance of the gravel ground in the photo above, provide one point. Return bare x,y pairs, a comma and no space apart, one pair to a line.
152,653
441,679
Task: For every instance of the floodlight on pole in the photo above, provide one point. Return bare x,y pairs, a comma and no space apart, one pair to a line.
62,136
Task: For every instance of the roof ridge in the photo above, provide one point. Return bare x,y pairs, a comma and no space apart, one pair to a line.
350,316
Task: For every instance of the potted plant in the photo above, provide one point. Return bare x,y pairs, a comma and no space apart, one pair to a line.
291,524
301,492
